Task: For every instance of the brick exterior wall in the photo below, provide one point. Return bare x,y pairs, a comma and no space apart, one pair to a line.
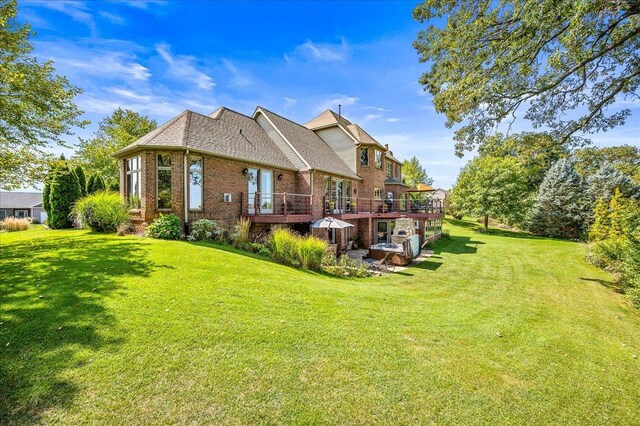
221,176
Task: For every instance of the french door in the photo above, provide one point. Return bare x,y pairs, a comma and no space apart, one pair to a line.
260,191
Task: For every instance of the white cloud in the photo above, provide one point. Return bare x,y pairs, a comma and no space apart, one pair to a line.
393,120
371,117
129,94
77,10
321,52
184,66
332,102
238,77
78,61
113,18
289,102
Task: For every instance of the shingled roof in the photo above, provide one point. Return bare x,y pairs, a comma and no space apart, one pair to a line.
224,133
19,200
330,118
309,146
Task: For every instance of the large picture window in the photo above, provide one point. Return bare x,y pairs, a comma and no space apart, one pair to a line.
378,159
364,156
195,183
134,172
164,181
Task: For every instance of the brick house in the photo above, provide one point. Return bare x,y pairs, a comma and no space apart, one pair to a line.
273,171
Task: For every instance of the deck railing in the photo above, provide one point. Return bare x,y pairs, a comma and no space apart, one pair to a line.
276,203
345,205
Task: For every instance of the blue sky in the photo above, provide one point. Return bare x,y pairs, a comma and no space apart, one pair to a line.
295,58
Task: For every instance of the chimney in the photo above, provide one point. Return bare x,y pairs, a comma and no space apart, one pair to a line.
339,110
386,145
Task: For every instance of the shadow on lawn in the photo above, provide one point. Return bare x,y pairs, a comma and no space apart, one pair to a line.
51,309
492,231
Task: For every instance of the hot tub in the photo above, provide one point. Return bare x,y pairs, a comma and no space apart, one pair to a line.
380,250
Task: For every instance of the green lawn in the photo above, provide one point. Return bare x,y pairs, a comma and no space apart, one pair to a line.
126,330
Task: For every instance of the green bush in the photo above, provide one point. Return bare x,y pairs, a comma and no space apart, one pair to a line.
261,249
344,267
64,192
310,252
165,227
204,230
101,212
284,245
240,234
608,254
81,179
95,184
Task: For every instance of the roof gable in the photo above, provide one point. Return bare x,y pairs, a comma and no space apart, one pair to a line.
308,145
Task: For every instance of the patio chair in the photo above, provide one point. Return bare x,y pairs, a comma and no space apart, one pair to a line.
386,263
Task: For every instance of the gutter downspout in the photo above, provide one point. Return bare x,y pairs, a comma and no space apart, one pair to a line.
186,196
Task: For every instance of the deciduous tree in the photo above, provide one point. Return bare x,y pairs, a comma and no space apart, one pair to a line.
36,105
114,133
492,186
560,64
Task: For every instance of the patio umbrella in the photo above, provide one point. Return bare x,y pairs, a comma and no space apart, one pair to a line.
330,223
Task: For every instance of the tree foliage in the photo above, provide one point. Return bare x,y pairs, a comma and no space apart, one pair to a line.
81,180
492,186
493,59
95,184
65,190
561,209
413,172
624,158
114,133
617,217
535,152
607,180
36,105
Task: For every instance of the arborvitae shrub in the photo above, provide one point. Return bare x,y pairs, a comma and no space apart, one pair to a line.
65,191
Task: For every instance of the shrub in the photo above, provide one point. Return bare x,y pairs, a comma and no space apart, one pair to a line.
64,192
101,212
284,244
165,227
240,234
95,184
203,230
345,267
11,224
261,249
608,254
81,179
310,252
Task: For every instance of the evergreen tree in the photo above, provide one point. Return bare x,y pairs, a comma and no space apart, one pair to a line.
81,180
90,184
65,190
46,205
95,184
561,209
607,179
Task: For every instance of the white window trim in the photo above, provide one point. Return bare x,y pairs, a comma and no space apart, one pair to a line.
158,168
201,183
